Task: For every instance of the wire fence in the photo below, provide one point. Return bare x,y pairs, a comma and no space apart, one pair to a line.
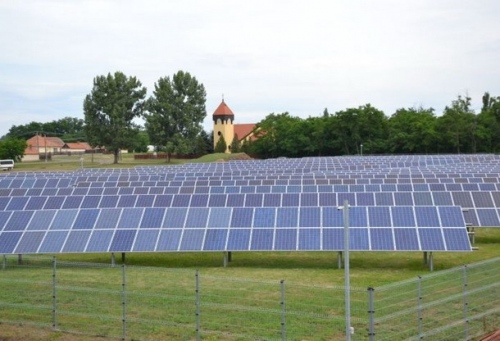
151,303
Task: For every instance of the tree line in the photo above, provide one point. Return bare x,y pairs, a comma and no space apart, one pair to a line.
174,113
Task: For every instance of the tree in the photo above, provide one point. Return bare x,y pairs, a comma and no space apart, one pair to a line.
221,145
175,113
12,149
235,145
109,110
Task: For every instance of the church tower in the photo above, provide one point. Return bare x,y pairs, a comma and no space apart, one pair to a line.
223,124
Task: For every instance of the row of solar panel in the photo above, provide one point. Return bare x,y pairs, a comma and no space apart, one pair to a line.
486,199
76,191
198,229
174,240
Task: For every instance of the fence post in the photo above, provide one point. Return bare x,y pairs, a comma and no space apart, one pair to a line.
371,314
197,304
124,303
283,311
466,304
4,262
54,300
419,294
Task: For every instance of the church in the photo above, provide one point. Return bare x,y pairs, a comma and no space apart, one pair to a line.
223,118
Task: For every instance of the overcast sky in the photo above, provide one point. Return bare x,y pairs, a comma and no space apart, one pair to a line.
263,56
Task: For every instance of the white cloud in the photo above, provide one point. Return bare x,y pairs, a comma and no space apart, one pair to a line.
264,56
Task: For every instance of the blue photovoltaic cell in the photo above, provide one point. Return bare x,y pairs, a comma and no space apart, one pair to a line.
35,203
451,216
488,217
199,200
215,240
86,219
217,200
402,216
422,198
403,198
264,217
235,200
357,217
309,217
463,199
130,218
8,241
242,217
181,200
308,199
290,199
333,217
358,239
108,201
91,201
175,217
381,239
272,200
285,239
350,197
406,239
431,239
442,198
262,239
427,217
146,240
456,240
482,199
111,192
197,217
238,239
17,203
145,201
309,239
18,221
192,240
63,220
169,240
279,189
287,217
53,242
77,241
327,199
153,217
379,216
365,199
4,201
30,242
253,200
108,218
383,198
126,201
34,192
4,216
122,240
41,220
72,202
219,217
333,239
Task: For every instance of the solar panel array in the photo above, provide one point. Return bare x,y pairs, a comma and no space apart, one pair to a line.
398,203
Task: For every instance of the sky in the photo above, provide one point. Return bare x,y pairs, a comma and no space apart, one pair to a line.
261,56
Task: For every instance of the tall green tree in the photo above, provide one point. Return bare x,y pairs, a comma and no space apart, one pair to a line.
412,130
235,146
175,113
114,102
12,149
221,145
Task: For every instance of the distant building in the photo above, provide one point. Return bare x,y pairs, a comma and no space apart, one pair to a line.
41,145
223,118
75,147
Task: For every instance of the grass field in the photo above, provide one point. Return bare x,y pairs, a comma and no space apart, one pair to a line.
367,269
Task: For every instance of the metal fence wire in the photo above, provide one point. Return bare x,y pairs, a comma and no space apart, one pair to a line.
151,303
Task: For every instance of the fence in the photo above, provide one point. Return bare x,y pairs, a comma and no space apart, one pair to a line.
145,303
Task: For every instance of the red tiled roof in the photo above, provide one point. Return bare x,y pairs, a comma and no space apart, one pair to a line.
77,145
42,141
243,130
223,110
